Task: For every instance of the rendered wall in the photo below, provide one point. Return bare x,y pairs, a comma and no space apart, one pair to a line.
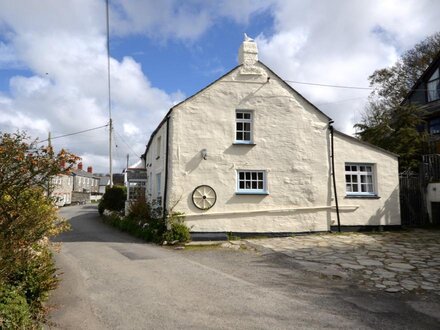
384,210
291,144
155,164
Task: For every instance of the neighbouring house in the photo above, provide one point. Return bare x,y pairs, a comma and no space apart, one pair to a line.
62,189
85,184
248,154
426,94
135,181
104,181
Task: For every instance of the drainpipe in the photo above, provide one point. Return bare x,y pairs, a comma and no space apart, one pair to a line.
165,190
333,173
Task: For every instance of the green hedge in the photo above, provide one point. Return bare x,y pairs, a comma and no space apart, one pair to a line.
113,199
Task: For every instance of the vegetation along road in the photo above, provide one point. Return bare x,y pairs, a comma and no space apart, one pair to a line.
113,281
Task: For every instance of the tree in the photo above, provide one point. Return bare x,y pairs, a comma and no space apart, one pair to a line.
28,219
386,122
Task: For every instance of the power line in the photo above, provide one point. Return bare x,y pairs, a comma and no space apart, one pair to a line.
123,140
325,85
74,133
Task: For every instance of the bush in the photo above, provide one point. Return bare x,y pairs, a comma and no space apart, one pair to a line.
28,219
14,310
178,231
113,199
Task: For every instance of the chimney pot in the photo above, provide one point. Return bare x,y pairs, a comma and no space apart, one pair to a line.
90,169
80,166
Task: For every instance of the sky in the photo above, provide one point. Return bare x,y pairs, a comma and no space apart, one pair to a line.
53,60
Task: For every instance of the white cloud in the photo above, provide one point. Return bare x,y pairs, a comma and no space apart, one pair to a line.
342,43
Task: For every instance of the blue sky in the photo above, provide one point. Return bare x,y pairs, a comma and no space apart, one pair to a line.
53,59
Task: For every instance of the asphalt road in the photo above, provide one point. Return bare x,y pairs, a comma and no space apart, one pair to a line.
113,281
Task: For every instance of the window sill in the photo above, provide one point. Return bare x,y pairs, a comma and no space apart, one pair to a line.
362,197
243,144
264,193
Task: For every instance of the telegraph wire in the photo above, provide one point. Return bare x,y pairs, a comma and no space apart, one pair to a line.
74,133
125,142
326,85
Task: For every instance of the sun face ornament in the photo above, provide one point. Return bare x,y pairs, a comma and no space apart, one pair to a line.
204,197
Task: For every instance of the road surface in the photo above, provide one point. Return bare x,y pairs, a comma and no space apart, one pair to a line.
111,280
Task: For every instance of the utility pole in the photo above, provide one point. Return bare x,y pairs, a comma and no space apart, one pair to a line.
109,97
128,158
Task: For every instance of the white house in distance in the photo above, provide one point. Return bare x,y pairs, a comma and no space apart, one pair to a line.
248,154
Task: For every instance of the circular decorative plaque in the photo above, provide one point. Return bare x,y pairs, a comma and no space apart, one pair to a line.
204,197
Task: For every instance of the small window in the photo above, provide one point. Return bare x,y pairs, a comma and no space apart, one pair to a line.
136,189
159,142
251,182
158,185
243,126
434,126
433,86
359,179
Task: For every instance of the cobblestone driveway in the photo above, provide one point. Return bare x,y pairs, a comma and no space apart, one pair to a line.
390,261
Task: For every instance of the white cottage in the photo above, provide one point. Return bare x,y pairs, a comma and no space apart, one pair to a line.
248,154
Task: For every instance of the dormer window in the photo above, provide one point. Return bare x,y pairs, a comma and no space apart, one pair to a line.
243,127
433,86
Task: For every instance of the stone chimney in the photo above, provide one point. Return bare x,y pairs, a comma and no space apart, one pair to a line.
248,58
248,52
90,169
80,166
63,164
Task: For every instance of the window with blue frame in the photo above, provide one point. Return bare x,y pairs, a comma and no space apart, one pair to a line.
251,182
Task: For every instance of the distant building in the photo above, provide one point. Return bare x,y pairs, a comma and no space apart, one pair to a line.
62,186
85,181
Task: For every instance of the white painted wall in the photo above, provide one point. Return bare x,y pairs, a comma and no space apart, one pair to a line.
155,164
384,210
291,145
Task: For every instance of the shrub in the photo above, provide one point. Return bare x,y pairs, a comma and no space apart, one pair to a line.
28,219
177,231
113,199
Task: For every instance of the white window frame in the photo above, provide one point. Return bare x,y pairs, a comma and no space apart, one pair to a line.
248,179
354,177
244,121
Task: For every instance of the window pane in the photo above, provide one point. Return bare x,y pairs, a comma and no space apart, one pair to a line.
369,169
247,136
239,126
239,136
363,188
260,184
369,179
241,175
362,168
347,167
247,116
370,188
241,184
248,175
354,178
254,175
254,185
348,178
354,168
239,115
246,126
260,176
355,188
363,179
248,185
348,187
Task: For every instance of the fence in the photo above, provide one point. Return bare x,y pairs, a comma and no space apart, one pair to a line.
413,207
